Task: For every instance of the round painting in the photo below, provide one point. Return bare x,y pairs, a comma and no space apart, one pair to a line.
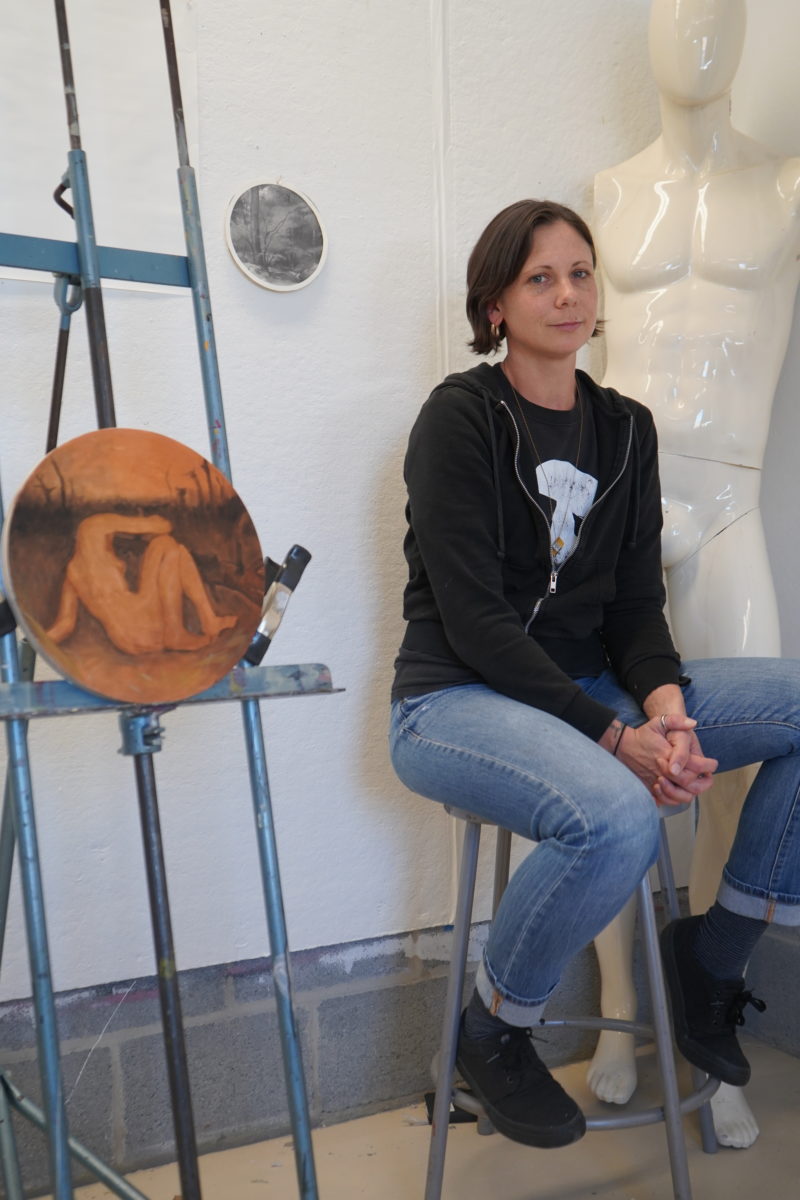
133,567
275,236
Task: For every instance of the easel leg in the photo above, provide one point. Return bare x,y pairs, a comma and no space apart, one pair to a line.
114,1182
8,1149
8,838
141,739
8,842
276,921
30,875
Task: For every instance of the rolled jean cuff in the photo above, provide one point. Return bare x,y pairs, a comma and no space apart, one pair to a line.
764,908
513,1012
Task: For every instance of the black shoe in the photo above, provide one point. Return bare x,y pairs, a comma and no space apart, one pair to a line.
517,1091
705,1010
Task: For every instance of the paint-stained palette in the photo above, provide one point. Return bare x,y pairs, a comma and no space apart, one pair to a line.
133,567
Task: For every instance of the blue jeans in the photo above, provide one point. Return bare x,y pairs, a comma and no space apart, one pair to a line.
595,824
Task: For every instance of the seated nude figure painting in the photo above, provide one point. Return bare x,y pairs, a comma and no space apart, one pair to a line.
146,619
133,566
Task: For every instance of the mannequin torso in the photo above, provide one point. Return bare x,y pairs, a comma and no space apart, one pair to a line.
704,267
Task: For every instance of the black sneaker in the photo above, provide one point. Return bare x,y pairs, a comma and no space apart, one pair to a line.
517,1091
705,1011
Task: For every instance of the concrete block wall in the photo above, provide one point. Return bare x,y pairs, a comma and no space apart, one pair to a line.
774,975
369,1016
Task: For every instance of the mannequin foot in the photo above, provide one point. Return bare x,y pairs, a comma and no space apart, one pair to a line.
612,1071
734,1122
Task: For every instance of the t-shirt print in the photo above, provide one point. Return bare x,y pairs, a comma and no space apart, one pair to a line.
572,492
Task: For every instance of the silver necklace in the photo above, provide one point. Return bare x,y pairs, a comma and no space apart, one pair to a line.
556,540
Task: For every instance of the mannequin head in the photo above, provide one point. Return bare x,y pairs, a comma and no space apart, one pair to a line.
695,47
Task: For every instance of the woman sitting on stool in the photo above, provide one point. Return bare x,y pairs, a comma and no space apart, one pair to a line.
538,686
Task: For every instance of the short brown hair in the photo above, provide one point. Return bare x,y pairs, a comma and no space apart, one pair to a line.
499,256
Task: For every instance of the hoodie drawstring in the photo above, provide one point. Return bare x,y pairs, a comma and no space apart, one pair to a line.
501,531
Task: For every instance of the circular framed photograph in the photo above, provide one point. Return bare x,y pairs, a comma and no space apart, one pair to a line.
275,236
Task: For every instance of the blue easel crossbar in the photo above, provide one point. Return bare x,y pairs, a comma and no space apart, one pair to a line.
57,698
61,258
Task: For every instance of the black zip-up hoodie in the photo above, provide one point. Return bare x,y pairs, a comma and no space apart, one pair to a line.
482,602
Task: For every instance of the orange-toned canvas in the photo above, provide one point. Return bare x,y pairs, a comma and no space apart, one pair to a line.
133,566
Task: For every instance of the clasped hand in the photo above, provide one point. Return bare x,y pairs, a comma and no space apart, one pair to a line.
670,762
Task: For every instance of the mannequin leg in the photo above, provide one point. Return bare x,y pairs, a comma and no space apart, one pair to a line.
718,816
612,1071
708,596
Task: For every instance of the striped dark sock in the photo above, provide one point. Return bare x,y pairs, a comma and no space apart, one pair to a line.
725,940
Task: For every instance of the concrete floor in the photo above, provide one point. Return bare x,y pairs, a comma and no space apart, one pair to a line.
383,1157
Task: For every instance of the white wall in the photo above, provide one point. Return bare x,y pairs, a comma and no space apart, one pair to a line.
409,126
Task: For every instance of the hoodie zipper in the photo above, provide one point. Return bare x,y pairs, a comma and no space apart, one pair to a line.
555,571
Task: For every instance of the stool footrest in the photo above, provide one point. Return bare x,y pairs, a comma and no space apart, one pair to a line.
628,1120
636,1028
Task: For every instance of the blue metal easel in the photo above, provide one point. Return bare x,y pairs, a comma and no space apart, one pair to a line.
79,268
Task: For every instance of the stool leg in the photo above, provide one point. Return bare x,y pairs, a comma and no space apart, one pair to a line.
452,1010
663,1037
665,874
708,1134
502,859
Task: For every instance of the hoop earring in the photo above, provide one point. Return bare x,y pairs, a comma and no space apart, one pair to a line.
495,332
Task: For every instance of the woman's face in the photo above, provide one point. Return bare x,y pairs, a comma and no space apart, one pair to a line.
550,309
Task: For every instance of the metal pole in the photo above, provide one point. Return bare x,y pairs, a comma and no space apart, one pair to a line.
502,860
19,776
9,1159
7,832
58,380
270,875
206,343
8,841
113,1181
440,1122
141,737
661,1029
174,84
44,1002
254,737
67,294
87,246
195,253
67,301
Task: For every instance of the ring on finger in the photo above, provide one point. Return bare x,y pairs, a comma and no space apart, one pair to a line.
663,720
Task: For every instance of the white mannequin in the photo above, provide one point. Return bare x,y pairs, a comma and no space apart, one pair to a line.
699,240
